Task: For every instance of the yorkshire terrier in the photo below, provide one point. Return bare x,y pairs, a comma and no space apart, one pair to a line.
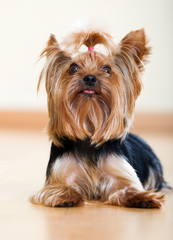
91,98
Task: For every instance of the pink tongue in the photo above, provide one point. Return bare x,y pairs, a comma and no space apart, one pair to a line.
89,91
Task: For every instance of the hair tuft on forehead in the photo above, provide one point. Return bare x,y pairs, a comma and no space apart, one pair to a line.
89,38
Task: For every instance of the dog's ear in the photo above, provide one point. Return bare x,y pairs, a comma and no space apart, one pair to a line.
135,44
52,47
52,40
56,58
131,57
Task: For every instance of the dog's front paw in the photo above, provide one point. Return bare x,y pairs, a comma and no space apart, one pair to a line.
69,198
56,196
146,199
130,197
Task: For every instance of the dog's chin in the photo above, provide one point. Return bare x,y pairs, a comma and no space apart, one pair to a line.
90,111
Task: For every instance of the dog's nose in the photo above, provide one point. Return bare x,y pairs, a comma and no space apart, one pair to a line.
90,80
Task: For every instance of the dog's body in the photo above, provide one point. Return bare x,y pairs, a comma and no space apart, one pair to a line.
91,99
133,149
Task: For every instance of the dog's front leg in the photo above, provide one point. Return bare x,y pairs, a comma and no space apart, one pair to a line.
121,186
58,190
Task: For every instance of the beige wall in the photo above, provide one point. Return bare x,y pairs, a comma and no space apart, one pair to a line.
25,27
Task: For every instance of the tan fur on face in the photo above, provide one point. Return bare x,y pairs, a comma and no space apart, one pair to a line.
108,114
101,117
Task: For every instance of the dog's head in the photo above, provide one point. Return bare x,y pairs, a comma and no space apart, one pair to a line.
90,94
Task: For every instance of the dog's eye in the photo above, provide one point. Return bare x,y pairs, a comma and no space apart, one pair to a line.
107,69
73,68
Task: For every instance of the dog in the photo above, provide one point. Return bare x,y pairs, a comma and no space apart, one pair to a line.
91,99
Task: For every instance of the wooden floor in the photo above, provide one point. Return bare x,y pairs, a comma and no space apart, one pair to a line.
23,160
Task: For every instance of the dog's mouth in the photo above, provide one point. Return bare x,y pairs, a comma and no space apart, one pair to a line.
89,92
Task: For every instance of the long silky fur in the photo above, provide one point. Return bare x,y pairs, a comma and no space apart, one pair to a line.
100,118
91,156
